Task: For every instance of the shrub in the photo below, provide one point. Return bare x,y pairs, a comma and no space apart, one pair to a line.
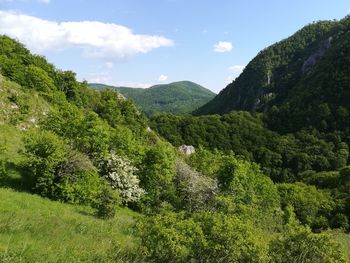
121,176
304,246
204,237
247,184
230,239
60,173
157,174
46,153
194,189
171,237
107,203
311,206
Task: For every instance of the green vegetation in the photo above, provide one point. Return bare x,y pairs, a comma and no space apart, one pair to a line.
84,179
178,97
33,229
282,157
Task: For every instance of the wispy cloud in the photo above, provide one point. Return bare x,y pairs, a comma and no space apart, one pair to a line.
109,65
236,69
223,46
95,39
162,78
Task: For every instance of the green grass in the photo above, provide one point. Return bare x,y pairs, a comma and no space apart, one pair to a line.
344,240
34,229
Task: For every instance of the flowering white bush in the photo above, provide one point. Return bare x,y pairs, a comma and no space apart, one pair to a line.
120,174
197,189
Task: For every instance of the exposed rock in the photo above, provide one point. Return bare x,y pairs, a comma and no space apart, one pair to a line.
187,149
14,107
32,120
312,60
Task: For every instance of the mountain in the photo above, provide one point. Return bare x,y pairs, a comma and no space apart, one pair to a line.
177,97
304,79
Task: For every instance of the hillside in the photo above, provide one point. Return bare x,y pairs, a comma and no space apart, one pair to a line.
33,229
83,178
308,68
178,97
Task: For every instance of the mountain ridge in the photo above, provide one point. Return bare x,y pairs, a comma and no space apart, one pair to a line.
176,97
272,76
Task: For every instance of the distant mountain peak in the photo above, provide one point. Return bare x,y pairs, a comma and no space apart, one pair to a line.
176,97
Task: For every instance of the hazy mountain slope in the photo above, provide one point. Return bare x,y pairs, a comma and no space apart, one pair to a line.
178,97
280,72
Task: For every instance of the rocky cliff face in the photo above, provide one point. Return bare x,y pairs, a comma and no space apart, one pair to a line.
272,76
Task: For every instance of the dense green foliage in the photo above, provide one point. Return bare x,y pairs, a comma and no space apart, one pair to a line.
282,157
178,97
64,141
70,139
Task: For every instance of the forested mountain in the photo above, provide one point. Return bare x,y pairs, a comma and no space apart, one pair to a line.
303,79
84,179
177,97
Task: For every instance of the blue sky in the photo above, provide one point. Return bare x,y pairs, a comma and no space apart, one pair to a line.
141,43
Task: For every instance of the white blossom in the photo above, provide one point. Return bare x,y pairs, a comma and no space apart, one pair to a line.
121,176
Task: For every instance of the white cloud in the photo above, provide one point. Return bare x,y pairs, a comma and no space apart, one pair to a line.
223,46
109,65
162,78
44,1
96,39
235,70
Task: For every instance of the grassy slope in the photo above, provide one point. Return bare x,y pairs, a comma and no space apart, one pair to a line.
34,229
344,240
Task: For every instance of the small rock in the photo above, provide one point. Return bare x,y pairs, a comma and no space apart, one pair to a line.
14,107
187,149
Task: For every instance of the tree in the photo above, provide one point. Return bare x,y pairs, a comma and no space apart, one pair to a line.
157,173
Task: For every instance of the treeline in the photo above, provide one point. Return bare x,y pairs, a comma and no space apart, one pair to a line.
283,157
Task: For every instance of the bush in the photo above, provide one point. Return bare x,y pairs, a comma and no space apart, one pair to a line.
107,203
60,173
311,206
204,237
304,246
46,153
157,174
194,189
171,237
230,239
247,184
121,176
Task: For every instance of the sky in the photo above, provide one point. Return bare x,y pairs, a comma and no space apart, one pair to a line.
140,43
